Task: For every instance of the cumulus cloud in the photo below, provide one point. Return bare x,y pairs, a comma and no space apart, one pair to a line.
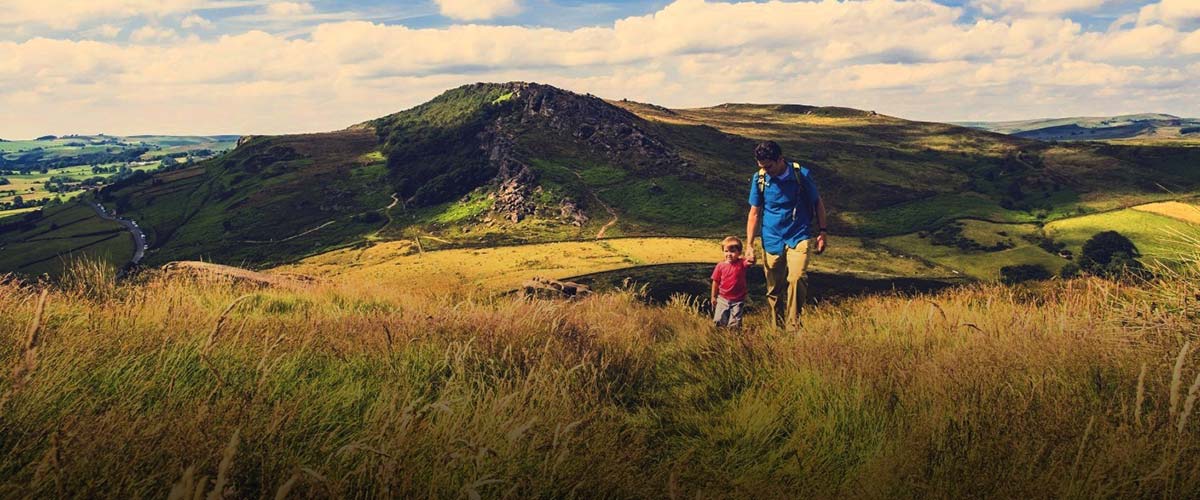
106,31
147,34
919,59
1171,12
469,10
195,21
1035,7
1191,44
67,14
288,9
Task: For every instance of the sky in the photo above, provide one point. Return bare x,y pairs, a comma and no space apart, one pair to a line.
270,67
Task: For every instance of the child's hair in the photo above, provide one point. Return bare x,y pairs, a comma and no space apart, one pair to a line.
731,240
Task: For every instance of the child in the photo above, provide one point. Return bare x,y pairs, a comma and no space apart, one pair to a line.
729,285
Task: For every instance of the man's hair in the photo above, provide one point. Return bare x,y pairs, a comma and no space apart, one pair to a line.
734,240
767,151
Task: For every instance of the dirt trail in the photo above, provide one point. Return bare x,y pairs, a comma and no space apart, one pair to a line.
289,238
613,213
387,211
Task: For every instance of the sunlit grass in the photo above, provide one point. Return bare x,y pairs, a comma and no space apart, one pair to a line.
1156,236
360,389
1187,212
400,264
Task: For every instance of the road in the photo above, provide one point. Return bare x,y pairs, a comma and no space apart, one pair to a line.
139,237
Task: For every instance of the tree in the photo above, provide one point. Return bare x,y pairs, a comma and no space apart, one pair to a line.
1110,254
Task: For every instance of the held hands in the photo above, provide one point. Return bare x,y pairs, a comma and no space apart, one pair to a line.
750,255
820,243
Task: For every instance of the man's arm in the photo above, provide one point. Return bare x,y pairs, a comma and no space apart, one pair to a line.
821,224
752,221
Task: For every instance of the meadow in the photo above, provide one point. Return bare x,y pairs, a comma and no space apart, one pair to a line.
189,386
399,265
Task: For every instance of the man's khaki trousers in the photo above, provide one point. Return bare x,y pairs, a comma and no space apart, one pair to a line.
787,284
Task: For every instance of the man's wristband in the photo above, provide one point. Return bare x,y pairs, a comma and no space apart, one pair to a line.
821,230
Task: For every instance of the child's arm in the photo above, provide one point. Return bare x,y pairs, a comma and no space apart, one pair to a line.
714,292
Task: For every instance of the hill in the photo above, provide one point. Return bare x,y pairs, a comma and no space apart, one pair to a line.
492,164
1146,126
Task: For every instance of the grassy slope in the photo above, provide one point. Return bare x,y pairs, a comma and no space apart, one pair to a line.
269,190
65,233
357,390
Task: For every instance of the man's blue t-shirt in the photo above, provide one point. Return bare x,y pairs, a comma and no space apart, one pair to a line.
784,220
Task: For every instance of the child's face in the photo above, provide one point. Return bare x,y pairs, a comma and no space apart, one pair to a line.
732,253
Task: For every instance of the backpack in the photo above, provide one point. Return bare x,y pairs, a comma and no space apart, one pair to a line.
800,179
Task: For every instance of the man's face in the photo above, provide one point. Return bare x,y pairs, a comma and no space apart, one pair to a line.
773,168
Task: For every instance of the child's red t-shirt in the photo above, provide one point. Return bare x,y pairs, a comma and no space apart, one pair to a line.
731,279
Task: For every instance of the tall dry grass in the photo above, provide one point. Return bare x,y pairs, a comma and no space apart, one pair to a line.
209,388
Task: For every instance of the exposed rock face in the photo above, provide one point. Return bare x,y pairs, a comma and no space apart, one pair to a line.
608,131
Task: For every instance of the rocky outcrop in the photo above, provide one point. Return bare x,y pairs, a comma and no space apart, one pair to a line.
571,213
515,179
606,130
546,288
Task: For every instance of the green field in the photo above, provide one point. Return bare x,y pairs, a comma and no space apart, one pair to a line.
73,158
1156,236
63,234
984,266
33,186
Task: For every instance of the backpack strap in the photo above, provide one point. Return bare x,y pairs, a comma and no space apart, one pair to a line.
762,178
801,181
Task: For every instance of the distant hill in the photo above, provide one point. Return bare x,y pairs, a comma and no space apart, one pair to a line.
490,164
1147,125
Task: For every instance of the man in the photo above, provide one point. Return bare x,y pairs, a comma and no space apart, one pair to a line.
784,199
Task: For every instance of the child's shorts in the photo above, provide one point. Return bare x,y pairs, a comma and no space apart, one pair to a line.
728,313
